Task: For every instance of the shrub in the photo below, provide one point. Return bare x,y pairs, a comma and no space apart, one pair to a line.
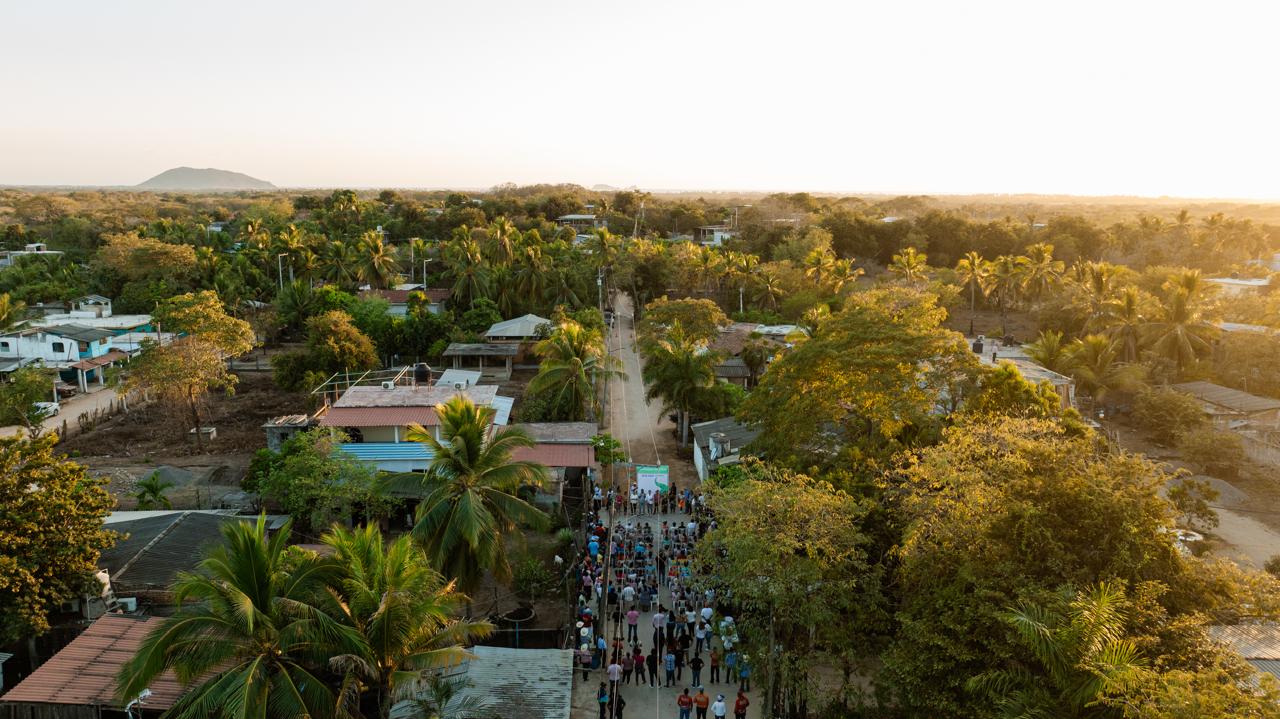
1168,414
531,578
1213,451
1273,565
564,536
1191,498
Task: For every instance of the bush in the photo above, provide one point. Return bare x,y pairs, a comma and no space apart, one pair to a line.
1191,498
1273,565
1168,414
564,536
1213,451
531,578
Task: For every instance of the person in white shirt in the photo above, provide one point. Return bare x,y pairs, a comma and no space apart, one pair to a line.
628,594
707,612
718,708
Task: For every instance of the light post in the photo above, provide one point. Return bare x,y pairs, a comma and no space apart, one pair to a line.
280,269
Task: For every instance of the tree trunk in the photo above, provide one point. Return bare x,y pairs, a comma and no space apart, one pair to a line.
195,417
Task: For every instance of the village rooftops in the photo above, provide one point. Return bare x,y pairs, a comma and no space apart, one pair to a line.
79,333
84,673
483,349
737,433
420,396
524,327
560,432
1240,281
1259,644
1225,398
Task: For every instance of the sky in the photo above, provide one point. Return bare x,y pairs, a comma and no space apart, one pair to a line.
1088,98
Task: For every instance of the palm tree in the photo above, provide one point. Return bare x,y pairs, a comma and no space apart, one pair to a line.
469,492
843,274
501,242
1050,351
1005,281
11,311
676,369
1179,333
339,264
1124,320
1040,272
150,492
1095,365
531,273
1081,652
819,265
297,302
403,609
377,264
973,272
466,268
755,355
1094,292
910,264
768,288
247,636
574,363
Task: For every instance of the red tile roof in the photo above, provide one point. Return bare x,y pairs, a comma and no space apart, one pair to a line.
84,672
557,455
378,417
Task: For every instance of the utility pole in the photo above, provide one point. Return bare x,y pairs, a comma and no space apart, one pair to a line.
741,291
280,269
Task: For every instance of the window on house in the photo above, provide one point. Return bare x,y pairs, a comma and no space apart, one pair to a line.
102,341
59,347
84,346
4,346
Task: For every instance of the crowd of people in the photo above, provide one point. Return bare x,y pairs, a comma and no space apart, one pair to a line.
639,558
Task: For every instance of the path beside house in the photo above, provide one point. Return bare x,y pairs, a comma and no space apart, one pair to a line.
99,398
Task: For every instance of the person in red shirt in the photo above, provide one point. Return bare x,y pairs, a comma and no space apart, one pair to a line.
740,706
685,702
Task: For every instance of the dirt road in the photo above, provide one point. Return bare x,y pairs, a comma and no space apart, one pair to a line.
70,410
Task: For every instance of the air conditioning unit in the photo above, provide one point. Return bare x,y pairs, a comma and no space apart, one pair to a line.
388,384
129,604
459,385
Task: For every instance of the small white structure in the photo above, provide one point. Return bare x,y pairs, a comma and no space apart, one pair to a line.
8,257
459,378
519,329
715,235
582,223
1239,286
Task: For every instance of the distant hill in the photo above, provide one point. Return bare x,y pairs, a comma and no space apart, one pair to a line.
191,178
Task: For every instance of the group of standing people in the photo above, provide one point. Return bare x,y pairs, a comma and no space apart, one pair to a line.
625,568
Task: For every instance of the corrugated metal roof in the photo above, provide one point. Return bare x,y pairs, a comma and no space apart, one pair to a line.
557,455
1267,666
568,432
502,406
481,349
378,417
1232,399
420,396
84,672
524,326
157,548
79,333
464,377
519,683
1252,641
379,451
738,433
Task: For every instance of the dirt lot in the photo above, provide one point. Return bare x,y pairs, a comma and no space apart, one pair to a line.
987,322
132,445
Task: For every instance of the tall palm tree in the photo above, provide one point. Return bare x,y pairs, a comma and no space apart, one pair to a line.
339,264
768,289
843,274
1124,320
1095,365
1094,291
531,273
378,263
248,634
676,369
755,355
469,492
404,610
295,303
819,265
1005,282
1080,650
466,268
574,363
1179,333
973,272
910,264
1040,272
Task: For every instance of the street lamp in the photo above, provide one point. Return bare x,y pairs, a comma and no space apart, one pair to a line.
280,268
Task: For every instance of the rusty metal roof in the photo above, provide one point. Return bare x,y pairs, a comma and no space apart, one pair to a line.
84,672
557,455
378,417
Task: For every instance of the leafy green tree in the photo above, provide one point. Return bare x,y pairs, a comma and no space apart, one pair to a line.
377,261
794,555
973,272
11,311
46,562
19,395
150,492
1168,414
1095,364
401,607
249,638
574,364
1215,451
1081,654
335,344
1040,273
1191,498
1051,352
317,484
181,374
699,319
1003,391
202,315
858,387
469,504
676,369
482,315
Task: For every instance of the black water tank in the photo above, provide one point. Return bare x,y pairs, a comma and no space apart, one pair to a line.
422,373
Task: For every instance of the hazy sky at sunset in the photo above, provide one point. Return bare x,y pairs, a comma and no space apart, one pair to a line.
1081,97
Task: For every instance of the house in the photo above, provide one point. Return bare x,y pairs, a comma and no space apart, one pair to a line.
79,682
95,311
80,353
564,448
39,249
519,329
715,235
131,343
733,370
1239,286
719,442
581,223
1232,409
506,682
398,300
374,420
216,226
1242,328
992,353
280,429
1259,644
494,360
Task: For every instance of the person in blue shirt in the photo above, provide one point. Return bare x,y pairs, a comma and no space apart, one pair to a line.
744,674
669,663
593,548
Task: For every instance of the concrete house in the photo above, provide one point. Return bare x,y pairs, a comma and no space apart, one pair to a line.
719,442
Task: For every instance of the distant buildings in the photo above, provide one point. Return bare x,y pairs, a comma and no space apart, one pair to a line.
9,257
1239,286
715,235
583,224
719,442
